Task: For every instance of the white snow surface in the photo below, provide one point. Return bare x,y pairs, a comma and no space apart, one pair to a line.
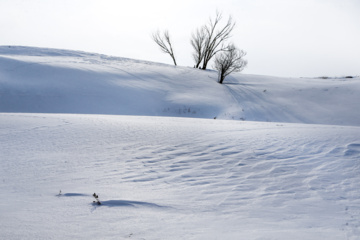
60,81
142,136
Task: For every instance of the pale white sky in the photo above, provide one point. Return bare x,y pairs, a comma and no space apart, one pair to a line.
296,38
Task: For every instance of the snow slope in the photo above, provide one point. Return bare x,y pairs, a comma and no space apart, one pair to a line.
60,81
172,171
176,178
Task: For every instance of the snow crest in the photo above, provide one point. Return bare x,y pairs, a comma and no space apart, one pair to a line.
61,81
157,145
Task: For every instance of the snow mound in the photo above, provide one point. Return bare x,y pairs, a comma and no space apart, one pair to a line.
38,80
173,178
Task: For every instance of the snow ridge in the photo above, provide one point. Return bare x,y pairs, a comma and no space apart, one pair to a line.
61,81
172,171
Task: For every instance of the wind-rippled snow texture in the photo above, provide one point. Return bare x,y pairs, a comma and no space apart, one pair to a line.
174,178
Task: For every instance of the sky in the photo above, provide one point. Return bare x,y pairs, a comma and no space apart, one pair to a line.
286,38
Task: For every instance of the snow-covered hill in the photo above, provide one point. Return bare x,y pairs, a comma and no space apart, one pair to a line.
185,176
176,178
59,81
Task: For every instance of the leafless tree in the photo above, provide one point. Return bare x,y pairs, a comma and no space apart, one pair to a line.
164,42
229,61
210,39
198,43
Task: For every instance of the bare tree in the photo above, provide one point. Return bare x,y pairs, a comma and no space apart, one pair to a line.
210,39
198,43
164,43
229,61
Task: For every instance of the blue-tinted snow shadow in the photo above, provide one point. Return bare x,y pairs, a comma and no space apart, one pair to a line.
127,203
114,203
353,150
73,195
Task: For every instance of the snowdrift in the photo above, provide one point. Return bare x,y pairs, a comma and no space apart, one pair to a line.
176,178
173,172
37,80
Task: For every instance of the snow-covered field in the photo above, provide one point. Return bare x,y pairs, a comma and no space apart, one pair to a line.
172,171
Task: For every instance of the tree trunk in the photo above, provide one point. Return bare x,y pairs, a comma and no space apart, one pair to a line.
221,77
174,60
204,65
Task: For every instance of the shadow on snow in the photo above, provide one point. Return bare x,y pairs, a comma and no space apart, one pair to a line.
127,203
114,203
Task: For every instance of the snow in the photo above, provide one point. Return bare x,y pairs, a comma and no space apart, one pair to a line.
84,123
61,81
